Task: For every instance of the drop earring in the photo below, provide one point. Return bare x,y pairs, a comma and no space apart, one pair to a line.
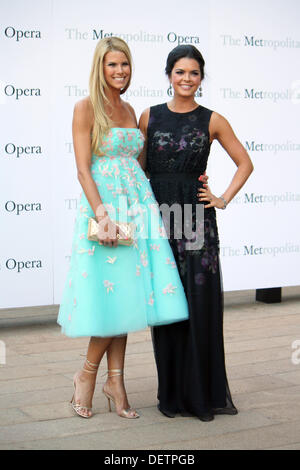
170,90
200,91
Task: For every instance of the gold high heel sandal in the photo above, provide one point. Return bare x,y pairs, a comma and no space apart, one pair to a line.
129,413
77,407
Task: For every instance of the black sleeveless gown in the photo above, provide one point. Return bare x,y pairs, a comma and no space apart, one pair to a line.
190,354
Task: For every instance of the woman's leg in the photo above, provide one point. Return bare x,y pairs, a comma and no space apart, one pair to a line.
114,385
85,379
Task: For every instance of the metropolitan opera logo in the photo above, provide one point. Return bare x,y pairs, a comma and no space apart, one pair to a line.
252,94
272,147
254,41
273,199
253,250
14,92
16,265
18,151
17,34
17,208
96,34
134,36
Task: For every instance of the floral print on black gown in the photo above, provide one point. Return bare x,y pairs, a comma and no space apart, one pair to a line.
189,355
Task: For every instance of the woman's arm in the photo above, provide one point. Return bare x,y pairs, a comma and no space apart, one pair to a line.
82,125
82,128
143,125
220,129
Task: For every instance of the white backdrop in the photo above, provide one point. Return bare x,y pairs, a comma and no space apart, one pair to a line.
253,79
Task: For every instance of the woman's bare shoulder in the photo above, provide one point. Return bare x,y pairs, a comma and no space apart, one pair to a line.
144,118
218,125
83,110
84,105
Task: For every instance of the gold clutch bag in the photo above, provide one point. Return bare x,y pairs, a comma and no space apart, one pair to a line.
126,228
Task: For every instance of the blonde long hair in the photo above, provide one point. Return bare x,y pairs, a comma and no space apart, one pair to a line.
97,85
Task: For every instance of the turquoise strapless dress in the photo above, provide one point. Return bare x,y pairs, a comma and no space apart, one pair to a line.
113,291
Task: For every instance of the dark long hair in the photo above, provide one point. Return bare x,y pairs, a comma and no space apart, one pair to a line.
180,52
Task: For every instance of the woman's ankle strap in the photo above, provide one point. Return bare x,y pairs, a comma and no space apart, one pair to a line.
90,367
91,364
114,372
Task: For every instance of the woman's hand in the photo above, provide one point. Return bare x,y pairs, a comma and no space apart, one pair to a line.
203,178
107,233
108,230
205,194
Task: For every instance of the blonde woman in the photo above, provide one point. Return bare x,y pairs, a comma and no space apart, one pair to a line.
112,289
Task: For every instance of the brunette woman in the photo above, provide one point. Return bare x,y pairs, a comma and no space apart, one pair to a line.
178,134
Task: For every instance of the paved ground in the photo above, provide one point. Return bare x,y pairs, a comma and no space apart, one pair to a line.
36,385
